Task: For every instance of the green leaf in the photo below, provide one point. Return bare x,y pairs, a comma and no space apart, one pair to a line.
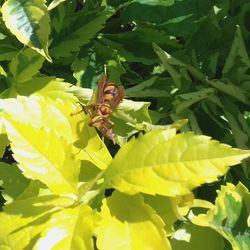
25,65
155,2
146,88
161,162
230,89
134,225
136,45
224,85
4,142
23,221
44,156
166,61
238,52
29,21
184,17
7,52
237,123
77,31
12,181
184,101
230,215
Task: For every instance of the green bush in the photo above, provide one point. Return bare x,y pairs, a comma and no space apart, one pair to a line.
165,184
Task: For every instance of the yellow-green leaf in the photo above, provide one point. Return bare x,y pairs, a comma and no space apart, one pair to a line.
191,237
22,221
170,209
70,228
230,215
128,223
162,162
47,86
55,3
44,156
29,21
57,115
41,112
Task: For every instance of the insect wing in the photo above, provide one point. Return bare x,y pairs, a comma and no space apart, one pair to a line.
101,85
118,99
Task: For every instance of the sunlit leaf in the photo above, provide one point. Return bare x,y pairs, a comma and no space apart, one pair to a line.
55,3
59,116
164,163
48,86
22,221
230,215
71,228
44,156
29,22
132,223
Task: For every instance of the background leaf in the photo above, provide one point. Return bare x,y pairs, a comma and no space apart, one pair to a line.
25,65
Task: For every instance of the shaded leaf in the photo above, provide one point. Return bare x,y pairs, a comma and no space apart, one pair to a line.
26,64
238,50
184,101
237,123
170,209
77,31
190,237
7,52
12,181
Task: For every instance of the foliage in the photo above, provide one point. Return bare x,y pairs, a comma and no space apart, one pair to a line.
168,185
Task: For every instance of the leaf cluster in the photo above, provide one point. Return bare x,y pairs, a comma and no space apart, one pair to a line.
165,187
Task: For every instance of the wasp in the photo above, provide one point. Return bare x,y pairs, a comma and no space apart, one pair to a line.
106,99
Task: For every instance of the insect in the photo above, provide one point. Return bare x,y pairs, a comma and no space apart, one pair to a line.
107,98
